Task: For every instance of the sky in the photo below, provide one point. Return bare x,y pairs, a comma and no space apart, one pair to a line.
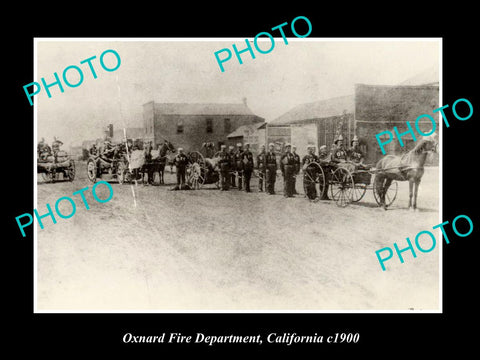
168,70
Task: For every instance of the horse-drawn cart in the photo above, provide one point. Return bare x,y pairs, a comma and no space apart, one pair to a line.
348,182
116,166
51,166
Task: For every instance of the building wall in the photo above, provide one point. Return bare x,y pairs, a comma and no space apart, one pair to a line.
304,135
328,128
380,108
197,129
279,135
148,120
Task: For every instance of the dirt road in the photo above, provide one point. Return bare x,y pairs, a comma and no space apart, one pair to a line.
213,250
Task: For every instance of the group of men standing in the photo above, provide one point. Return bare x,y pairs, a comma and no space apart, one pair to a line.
290,165
236,167
267,167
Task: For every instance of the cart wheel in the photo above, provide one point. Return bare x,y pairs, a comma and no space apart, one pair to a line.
390,195
196,170
195,176
342,187
359,192
92,170
71,171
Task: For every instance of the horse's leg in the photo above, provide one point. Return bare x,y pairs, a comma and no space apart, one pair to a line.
417,184
386,185
379,180
410,188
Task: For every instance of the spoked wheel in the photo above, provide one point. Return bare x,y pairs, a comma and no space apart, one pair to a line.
196,170
71,171
195,176
359,192
314,176
92,170
390,194
342,187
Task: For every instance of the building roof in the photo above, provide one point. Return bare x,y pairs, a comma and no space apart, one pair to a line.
429,76
317,109
202,109
246,129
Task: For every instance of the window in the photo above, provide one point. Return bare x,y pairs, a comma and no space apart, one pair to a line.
180,127
227,126
209,126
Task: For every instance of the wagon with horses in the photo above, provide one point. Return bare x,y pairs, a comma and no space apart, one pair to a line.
348,182
52,165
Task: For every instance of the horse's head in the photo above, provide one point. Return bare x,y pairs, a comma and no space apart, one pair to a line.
169,146
428,143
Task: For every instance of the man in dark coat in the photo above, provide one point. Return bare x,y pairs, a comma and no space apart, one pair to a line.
325,158
261,168
297,168
287,165
180,161
247,162
231,153
43,150
271,169
355,154
310,172
339,154
237,158
224,164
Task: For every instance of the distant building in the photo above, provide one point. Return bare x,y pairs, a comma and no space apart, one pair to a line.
253,134
380,107
372,109
316,123
190,125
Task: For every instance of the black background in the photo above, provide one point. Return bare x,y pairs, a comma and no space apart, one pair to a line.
381,335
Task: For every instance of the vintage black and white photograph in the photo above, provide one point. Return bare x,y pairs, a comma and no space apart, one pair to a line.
260,188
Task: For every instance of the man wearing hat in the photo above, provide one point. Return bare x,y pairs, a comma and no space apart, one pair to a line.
310,172
271,169
298,162
231,153
224,164
355,154
261,168
339,154
43,150
93,150
324,157
247,163
237,159
56,147
180,161
287,166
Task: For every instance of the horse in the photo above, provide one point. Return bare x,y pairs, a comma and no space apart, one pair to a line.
409,167
155,161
